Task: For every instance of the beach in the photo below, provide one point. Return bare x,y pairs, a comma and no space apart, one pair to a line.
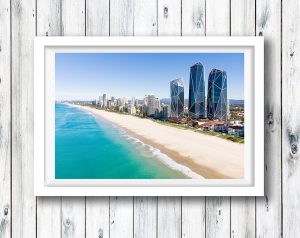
209,156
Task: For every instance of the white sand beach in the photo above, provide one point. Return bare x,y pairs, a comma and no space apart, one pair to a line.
208,156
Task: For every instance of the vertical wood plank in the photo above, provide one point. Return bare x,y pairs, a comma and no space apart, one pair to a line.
291,115
169,208
193,17
121,17
218,208
268,208
5,120
242,208
73,208
97,217
121,217
48,217
145,217
218,17
97,208
169,17
217,217
48,208
73,217
145,208
193,217
169,217
23,201
193,208
145,17
97,17
121,208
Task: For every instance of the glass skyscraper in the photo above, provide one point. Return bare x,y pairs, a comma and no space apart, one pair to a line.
197,92
177,98
217,103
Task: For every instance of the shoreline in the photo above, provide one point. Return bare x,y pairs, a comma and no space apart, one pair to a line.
213,164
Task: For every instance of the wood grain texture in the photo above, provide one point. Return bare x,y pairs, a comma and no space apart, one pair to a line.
145,217
218,17
21,216
242,208
48,222
193,217
48,23
169,17
97,17
23,201
73,217
73,17
169,217
97,217
218,208
5,121
145,17
193,17
121,217
291,115
268,208
121,17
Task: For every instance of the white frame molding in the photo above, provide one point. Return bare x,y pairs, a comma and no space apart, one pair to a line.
45,183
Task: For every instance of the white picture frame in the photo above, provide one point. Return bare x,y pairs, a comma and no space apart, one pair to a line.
45,183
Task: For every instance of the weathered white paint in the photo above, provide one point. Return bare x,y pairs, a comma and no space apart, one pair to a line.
126,217
145,217
121,217
5,120
97,217
23,18
169,217
268,208
290,117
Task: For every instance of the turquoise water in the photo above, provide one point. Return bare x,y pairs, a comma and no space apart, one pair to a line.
89,148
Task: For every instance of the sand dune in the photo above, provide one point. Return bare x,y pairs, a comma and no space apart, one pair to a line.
209,156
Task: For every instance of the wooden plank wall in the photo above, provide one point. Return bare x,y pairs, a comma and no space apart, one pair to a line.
274,215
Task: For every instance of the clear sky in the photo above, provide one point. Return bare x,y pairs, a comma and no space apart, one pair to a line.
85,76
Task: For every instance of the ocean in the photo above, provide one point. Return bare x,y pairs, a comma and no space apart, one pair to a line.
87,147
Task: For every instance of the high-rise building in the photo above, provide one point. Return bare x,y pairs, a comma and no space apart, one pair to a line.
177,98
197,92
217,103
152,104
100,101
104,100
165,112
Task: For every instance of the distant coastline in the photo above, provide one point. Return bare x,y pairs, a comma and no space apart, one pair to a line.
210,157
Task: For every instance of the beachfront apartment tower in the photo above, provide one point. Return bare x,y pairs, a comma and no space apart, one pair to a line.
197,92
177,98
217,103
104,100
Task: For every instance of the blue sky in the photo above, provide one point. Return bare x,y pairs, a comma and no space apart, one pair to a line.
85,76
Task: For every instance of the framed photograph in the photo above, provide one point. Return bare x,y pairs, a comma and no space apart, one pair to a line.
149,116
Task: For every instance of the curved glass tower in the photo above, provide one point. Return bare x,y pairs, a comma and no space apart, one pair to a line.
197,92
217,104
177,98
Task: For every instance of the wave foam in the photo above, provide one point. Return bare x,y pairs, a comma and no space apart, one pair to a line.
165,158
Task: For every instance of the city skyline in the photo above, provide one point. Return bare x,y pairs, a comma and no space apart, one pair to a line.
79,75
